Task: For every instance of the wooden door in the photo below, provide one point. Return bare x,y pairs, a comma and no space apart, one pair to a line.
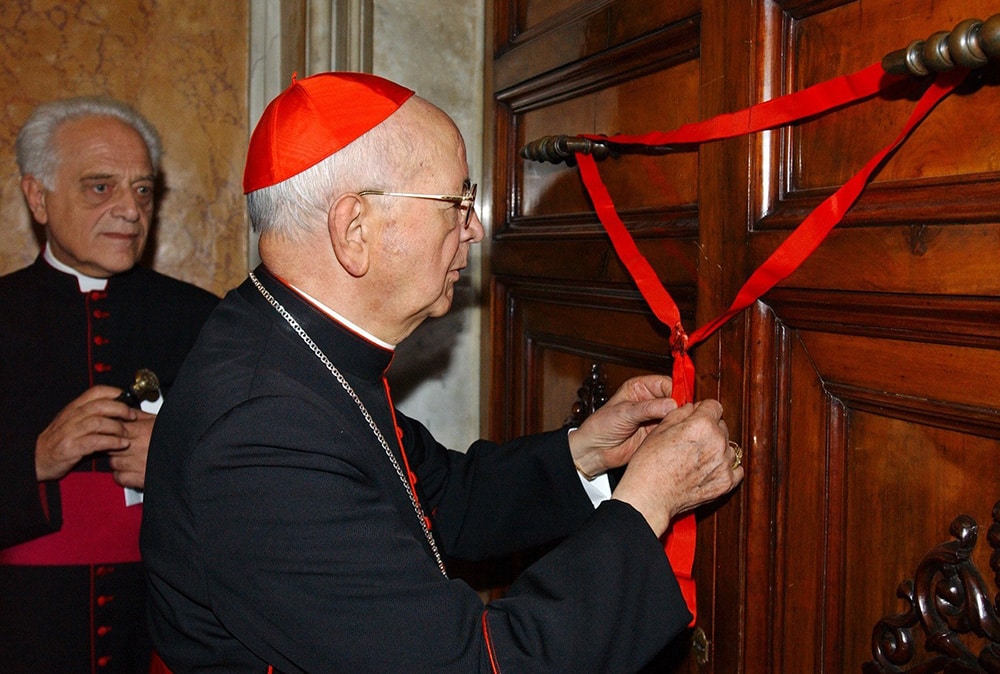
865,387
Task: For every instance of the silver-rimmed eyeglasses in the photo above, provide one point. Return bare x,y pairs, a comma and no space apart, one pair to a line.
466,201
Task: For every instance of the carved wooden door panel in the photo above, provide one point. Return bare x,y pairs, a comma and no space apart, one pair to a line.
865,387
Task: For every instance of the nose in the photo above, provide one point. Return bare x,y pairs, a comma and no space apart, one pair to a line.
475,231
127,206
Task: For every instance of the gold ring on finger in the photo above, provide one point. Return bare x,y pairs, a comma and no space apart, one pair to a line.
737,454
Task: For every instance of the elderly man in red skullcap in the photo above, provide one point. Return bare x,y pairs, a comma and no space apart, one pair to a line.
297,522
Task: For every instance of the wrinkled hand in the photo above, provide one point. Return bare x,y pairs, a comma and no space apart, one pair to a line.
129,465
684,462
608,438
93,422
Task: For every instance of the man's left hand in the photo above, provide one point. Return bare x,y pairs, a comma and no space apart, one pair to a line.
608,437
129,465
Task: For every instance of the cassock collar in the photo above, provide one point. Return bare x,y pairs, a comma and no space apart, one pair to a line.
343,321
350,350
86,283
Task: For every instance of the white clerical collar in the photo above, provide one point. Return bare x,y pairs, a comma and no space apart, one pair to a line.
87,283
346,323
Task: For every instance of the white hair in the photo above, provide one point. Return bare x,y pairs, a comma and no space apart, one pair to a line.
37,154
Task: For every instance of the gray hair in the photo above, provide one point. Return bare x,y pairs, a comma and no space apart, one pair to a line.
375,160
36,152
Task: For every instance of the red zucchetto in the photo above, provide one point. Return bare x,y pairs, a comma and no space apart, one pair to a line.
312,119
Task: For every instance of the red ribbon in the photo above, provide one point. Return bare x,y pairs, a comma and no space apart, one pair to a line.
681,538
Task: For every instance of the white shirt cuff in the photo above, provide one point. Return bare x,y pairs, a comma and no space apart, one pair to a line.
598,489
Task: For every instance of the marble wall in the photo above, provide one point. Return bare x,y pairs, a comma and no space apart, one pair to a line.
183,64
435,47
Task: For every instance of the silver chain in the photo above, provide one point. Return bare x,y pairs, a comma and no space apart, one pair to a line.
364,411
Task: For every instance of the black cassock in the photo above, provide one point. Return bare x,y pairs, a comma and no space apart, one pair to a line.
61,609
277,531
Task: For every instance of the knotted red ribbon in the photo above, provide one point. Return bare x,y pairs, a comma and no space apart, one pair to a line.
840,91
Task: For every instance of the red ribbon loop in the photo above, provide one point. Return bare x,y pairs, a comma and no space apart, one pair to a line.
817,99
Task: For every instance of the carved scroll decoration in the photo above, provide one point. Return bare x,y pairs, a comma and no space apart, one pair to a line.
949,607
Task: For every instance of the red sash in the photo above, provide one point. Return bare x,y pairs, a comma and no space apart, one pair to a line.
98,528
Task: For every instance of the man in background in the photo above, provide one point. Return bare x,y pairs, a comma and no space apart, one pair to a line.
297,521
77,325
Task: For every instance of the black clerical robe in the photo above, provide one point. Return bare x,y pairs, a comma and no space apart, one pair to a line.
278,533
79,605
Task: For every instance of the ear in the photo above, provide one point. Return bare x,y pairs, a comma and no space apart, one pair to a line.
34,194
349,234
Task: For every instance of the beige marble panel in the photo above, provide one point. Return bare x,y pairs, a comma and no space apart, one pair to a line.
436,48
183,64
